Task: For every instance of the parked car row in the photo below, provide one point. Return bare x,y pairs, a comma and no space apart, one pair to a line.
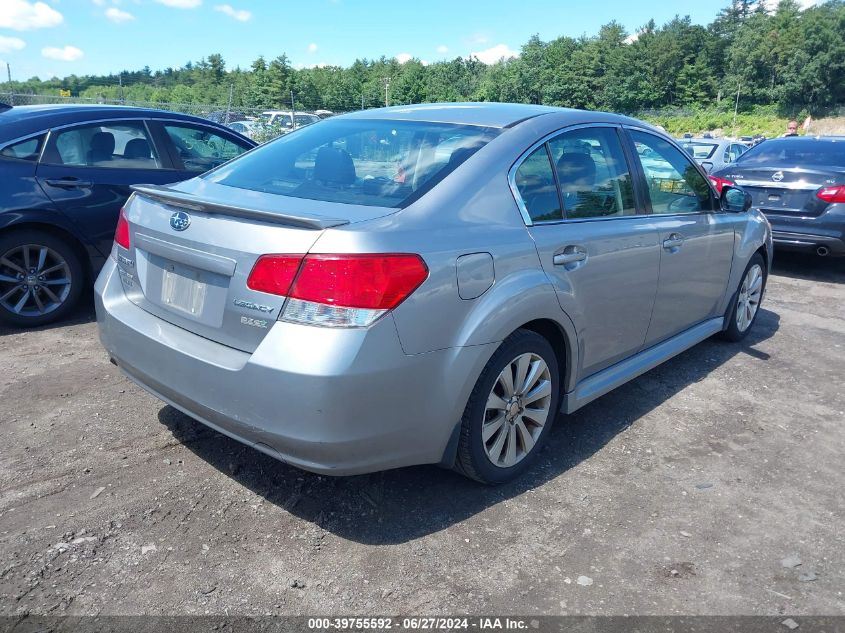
562,253
274,123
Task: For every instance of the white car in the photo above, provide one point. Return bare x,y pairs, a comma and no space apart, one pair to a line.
288,120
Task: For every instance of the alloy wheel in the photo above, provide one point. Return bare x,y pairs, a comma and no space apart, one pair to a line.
34,280
517,410
748,300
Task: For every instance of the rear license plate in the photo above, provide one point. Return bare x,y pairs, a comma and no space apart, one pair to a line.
182,292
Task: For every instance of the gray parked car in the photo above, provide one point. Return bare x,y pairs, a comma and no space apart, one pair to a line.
350,299
713,154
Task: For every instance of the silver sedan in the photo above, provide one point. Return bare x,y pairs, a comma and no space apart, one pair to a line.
426,284
713,154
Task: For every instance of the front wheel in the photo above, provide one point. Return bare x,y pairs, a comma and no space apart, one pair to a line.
510,411
745,305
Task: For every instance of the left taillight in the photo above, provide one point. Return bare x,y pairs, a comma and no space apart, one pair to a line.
721,182
338,290
831,194
121,233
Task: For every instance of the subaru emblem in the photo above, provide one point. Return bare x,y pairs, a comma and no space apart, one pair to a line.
180,221
777,176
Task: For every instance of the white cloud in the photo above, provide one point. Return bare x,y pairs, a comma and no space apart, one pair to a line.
117,16
99,3
312,47
21,15
442,49
772,5
9,44
494,54
66,54
403,58
633,37
241,15
181,4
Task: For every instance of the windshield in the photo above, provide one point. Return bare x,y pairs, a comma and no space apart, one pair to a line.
700,151
364,161
796,152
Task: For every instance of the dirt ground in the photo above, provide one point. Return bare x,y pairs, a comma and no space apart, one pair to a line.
711,485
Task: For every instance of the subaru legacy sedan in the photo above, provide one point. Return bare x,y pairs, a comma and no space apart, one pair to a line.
426,284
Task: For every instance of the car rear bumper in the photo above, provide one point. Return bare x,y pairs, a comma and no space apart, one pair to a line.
810,233
336,402
808,242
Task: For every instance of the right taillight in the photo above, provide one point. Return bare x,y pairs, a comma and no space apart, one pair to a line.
721,182
121,233
350,290
831,194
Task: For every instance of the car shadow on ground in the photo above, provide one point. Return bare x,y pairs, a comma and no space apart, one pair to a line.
82,313
405,504
809,267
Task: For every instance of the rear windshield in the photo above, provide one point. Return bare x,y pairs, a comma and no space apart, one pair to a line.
796,152
700,150
369,162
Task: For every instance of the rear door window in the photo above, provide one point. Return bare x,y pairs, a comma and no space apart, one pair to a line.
535,182
593,174
24,150
116,145
673,182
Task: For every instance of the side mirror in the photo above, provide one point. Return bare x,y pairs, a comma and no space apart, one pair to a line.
734,200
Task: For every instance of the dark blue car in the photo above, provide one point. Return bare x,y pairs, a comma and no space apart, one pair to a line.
65,172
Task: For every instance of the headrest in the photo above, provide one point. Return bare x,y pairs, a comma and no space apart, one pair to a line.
137,148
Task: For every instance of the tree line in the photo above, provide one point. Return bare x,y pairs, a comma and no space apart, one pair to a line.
787,58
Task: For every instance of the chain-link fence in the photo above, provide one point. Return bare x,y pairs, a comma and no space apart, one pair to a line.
259,123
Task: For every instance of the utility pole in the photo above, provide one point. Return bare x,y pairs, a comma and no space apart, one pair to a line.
362,100
9,72
387,91
120,83
736,108
292,112
229,104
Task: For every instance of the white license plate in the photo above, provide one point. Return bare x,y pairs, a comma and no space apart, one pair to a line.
182,293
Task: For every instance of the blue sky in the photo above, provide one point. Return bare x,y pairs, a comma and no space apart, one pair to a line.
62,37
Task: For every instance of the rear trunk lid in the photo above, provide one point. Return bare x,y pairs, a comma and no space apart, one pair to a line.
193,246
784,191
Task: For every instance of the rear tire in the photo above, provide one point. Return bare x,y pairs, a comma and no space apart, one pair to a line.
745,304
41,278
510,411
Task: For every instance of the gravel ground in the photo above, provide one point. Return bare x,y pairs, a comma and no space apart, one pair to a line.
711,485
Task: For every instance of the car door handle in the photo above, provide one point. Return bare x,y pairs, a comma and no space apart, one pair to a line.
570,255
67,183
675,240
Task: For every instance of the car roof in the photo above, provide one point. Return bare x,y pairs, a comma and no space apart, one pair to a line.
706,141
821,139
21,121
485,114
